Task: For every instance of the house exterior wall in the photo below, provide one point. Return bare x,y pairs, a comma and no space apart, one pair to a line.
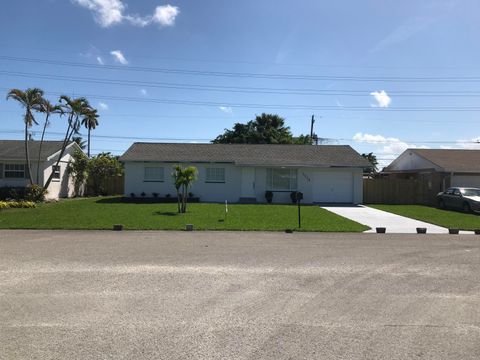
409,160
63,187
57,188
239,182
208,192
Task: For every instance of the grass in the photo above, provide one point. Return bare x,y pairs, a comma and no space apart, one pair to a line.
445,218
102,213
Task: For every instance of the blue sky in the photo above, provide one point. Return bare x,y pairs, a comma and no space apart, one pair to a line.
376,73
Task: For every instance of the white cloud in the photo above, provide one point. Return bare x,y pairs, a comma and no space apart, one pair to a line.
165,15
226,109
469,144
391,145
103,106
119,57
382,98
143,92
111,12
105,12
100,60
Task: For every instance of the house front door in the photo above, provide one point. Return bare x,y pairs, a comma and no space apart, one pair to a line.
248,182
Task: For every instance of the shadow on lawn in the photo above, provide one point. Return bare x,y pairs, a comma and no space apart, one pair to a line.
166,213
142,201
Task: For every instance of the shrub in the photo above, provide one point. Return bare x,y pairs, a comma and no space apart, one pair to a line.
143,194
16,204
155,195
269,196
15,193
35,193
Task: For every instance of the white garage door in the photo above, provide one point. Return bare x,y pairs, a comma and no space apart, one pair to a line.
466,181
333,187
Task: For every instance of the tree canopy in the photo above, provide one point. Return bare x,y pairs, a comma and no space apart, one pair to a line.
265,129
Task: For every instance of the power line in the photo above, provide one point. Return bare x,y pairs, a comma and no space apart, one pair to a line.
238,89
273,106
228,61
385,141
468,79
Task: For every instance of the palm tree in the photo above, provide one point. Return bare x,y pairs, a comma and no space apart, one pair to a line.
47,108
30,99
75,109
183,179
90,121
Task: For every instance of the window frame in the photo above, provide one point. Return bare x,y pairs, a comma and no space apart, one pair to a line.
162,179
5,170
214,181
293,186
59,171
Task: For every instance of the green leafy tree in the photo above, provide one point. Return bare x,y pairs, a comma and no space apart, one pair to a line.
100,168
372,159
90,121
78,168
183,178
80,142
265,129
30,100
303,140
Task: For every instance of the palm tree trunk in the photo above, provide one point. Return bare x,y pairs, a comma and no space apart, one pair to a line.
41,144
27,154
88,151
68,135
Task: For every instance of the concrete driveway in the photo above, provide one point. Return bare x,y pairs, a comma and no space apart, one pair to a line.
238,295
374,218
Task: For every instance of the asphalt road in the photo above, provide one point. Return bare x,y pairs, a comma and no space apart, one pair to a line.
212,295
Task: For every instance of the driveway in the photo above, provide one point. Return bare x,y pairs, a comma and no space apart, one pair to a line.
238,295
377,218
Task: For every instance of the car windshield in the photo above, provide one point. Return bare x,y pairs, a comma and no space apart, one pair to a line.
471,192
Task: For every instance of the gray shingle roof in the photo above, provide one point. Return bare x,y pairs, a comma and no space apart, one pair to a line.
15,149
452,160
247,154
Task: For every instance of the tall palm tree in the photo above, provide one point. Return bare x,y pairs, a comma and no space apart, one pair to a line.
90,121
47,108
30,99
74,109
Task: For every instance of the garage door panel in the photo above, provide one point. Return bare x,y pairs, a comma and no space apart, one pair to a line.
466,181
334,187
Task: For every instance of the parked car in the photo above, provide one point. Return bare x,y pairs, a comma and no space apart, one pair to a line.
466,199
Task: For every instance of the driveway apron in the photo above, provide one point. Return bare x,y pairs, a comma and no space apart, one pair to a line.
377,218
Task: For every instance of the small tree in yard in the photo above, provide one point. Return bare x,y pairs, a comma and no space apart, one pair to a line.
101,167
183,179
78,170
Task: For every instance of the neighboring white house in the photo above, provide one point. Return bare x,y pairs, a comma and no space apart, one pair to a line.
455,167
244,172
13,168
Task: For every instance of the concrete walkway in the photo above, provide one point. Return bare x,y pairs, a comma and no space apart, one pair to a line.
376,218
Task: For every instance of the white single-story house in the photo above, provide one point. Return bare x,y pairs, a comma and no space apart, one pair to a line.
244,172
454,167
13,168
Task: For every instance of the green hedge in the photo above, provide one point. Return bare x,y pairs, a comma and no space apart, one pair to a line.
16,204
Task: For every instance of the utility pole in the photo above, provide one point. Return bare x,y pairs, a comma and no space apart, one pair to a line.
311,126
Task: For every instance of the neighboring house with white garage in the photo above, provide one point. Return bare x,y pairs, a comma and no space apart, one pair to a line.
244,172
13,168
452,167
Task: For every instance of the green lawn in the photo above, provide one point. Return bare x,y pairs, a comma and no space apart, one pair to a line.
102,213
445,218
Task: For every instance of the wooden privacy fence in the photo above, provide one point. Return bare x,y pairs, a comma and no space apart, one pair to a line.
113,185
396,191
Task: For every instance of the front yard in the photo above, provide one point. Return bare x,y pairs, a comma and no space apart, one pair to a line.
445,218
102,213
